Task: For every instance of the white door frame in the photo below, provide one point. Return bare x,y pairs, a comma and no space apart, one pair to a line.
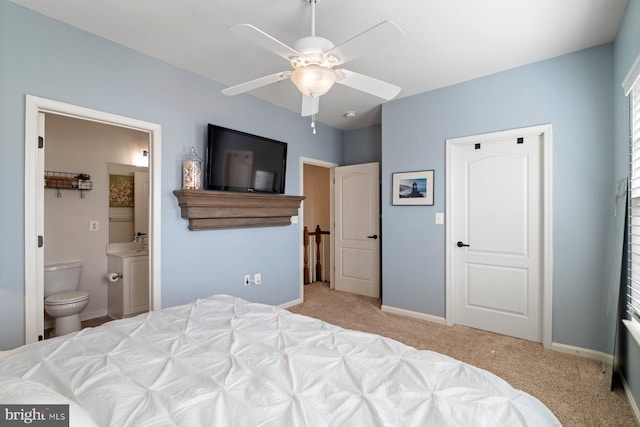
34,205
545,131
324,164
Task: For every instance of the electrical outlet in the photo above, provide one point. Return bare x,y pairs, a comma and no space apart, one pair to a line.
94,225
257,278
247,280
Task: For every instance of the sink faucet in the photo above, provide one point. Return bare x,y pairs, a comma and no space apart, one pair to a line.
139,238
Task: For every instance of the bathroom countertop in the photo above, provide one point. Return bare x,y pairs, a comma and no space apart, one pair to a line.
129,253
124,250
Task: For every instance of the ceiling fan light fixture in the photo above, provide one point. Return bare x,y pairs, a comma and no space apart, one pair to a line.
313,79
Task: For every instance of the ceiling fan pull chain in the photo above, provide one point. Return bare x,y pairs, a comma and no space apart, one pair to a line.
314,106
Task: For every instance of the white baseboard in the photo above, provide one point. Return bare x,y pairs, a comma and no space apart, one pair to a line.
632,402
562,348
583,352
413,314
291,303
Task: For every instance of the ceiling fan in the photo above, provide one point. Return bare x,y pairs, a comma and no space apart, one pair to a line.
313,58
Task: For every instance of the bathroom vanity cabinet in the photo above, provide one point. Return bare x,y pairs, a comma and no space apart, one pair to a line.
129,295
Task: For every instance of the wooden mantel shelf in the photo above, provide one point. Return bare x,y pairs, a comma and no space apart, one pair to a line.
208,210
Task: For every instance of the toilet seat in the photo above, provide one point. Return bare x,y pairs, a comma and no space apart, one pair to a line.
66,298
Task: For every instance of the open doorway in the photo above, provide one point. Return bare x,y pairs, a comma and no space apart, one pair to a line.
317,213
36,108
110,205
317,224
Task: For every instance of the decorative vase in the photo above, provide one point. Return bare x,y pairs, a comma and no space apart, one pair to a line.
192,171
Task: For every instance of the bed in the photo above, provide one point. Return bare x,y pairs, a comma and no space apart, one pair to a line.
223,361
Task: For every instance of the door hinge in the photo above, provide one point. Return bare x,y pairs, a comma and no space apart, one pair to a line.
40,241
520,141
40,142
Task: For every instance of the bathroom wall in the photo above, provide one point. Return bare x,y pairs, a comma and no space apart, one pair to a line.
73,145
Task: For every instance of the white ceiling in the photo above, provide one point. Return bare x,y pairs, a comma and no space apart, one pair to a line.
447,41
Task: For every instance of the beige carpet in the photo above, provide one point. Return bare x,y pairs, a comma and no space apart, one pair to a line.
576,389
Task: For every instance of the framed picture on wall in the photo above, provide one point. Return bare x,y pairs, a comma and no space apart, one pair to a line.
412,188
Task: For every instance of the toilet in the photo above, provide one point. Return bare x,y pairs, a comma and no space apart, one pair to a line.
63,302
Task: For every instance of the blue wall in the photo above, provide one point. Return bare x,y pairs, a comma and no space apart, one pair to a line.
571,92
43,57
363,145
626,50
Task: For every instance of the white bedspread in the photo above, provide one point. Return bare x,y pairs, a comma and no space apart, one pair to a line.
222,361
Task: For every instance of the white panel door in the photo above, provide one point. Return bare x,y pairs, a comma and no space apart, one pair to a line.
497,236
357,229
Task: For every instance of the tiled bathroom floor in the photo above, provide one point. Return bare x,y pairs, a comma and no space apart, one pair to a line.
96,322
85,324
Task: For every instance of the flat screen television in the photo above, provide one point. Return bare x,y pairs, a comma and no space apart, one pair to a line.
241,162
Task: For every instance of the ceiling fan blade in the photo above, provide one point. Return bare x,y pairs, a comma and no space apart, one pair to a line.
254,84
368,84
310,106
262,39
381,35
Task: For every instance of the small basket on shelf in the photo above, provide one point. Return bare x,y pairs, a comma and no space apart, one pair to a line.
59,179
84,181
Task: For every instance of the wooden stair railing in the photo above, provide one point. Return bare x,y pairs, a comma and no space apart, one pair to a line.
318,238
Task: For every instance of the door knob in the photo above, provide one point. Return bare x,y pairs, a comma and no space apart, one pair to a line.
373,236
460,244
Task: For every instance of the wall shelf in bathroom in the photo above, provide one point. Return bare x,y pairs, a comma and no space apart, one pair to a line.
207,210
66,181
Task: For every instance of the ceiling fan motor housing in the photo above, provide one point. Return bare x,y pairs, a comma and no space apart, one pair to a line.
313,48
